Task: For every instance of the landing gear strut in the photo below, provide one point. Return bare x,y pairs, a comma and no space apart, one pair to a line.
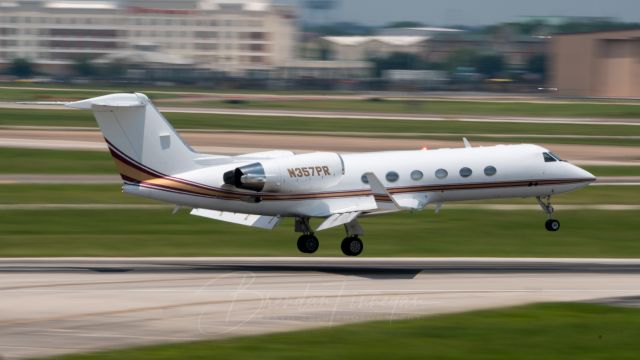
551,224
307,243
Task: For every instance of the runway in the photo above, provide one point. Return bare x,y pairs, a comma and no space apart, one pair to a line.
60,306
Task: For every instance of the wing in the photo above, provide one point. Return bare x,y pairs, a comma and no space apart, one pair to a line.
257,221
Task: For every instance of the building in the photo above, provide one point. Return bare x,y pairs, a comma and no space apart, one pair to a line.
233,36
363,48
416,31
598,64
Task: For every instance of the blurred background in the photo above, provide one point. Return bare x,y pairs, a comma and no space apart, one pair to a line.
348,45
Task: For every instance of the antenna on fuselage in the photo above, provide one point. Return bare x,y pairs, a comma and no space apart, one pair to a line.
466,142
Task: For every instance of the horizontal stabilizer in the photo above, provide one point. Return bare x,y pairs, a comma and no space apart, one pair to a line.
257,221
112,100
337,220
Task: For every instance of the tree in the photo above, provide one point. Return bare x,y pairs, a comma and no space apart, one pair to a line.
84,67
21,68
405,24
398,61
113,70
462,58
490,65
537,64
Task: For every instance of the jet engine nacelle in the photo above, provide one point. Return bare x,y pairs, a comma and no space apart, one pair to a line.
304,172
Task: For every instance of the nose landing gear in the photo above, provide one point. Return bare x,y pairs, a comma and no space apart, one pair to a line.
551,224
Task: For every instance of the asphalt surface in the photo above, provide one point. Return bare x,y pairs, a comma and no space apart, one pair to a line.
61,306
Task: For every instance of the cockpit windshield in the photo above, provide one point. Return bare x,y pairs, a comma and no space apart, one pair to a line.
551,157
556,156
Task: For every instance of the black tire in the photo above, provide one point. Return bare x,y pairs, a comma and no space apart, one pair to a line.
552,225
308,244
352,246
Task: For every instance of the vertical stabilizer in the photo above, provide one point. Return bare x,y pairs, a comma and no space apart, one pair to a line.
136,131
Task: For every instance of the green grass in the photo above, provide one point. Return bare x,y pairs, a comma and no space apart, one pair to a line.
415,129
110,194
441,107
36,161
613,170
542,331
67,194
585,233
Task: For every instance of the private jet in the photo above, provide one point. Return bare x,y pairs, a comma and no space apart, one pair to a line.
260,189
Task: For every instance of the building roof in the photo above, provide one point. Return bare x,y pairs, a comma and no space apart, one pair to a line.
391,40
249,5
91,5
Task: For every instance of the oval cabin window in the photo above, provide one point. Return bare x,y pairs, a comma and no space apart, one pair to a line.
441,174
465,172
490,171
392,176
417,175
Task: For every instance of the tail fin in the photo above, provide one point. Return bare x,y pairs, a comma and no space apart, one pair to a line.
136,130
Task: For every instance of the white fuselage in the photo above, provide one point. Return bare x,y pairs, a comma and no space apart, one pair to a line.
520,171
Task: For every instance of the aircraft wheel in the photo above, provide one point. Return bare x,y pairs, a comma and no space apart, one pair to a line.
308,244
552,225
352,246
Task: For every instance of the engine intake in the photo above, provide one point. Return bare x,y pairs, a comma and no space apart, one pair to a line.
306,172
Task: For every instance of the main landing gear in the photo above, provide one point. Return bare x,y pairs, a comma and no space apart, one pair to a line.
308,243
551,224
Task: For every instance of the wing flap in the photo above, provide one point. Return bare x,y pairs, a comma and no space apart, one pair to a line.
338,219
257,221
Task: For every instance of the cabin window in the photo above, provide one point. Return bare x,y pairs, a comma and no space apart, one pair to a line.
441,174
364,179
548,157
465,172
490,171
392,176
417,175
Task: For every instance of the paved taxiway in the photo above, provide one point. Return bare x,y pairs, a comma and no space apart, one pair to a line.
58,306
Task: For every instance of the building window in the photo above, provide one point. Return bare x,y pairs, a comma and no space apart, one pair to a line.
442,174
392,176
417,175
490,171
465,172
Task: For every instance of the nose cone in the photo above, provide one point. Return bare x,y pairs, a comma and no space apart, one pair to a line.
582,174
